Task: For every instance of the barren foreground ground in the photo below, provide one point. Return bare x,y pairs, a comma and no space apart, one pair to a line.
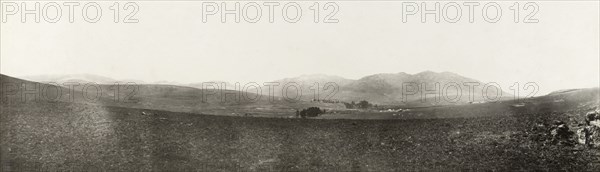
72,136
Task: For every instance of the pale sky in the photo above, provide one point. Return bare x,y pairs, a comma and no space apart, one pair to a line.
171,42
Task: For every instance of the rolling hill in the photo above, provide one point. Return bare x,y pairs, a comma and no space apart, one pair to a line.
154,96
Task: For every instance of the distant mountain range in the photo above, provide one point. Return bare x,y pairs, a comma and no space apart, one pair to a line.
381,89
389,88
79,78
384,88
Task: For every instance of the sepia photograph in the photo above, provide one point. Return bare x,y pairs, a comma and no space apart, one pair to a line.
306,85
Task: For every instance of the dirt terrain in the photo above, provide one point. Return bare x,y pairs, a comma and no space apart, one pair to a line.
71,136
503,136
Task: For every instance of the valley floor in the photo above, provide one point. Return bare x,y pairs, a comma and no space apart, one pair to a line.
69,136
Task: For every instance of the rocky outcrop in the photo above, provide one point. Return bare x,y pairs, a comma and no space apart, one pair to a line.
561,134
589,133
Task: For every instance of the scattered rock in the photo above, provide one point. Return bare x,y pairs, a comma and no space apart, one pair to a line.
592,118
589,134
582,135
561,134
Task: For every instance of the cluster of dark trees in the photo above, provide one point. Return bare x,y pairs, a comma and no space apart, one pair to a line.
310,112
325,101
360,105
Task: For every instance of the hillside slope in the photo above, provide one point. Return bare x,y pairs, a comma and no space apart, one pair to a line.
153,96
